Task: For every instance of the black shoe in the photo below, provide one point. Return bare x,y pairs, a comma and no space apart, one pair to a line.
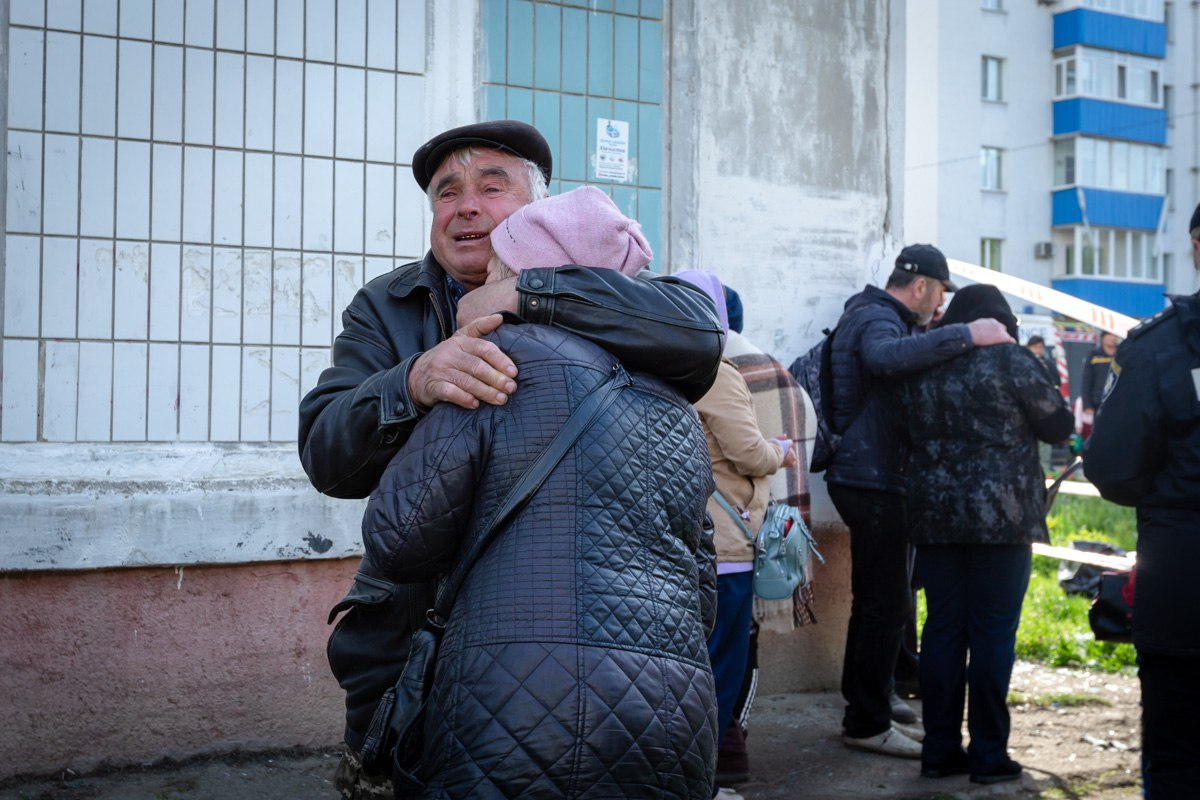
1007,770
957,765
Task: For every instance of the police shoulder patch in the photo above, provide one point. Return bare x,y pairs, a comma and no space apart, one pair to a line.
1150,322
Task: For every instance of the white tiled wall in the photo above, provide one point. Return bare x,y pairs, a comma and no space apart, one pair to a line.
196,188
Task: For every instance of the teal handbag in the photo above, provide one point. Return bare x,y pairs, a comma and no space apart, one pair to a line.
783,550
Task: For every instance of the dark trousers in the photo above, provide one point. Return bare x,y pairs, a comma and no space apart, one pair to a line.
880,603
973,593
1170,733
908,658
729,642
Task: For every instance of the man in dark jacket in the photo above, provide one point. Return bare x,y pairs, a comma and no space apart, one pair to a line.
399,352
1145,452
873,348
1095,373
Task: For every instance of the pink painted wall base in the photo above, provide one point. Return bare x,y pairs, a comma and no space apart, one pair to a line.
135,665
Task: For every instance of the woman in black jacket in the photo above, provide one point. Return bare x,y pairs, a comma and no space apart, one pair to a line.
574,661
976,501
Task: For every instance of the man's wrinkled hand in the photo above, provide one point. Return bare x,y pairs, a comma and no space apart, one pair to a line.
491,298
986,332
464,370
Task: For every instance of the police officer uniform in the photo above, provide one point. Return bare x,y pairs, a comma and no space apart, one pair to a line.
1145,452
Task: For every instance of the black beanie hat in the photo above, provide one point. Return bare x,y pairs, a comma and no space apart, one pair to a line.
980,301
1195,223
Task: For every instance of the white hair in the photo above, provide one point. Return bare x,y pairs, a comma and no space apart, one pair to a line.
536,180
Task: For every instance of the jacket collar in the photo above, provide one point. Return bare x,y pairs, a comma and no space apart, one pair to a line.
873,295
429,275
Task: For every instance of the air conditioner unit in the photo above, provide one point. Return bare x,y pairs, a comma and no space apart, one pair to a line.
1043,250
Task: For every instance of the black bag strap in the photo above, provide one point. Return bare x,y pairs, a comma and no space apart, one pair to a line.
582,418
827,403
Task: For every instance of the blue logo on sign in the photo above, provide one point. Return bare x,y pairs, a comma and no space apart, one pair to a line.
612,131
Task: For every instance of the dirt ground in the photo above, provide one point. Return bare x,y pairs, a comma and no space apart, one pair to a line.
1070,748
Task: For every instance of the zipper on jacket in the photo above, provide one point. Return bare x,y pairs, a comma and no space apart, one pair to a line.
437,312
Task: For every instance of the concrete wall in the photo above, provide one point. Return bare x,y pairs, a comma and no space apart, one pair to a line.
786,149
134,665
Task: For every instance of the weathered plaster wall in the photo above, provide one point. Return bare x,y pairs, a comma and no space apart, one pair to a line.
81,506
786,155
784,148
134,665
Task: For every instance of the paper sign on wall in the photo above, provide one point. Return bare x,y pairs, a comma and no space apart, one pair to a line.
612,150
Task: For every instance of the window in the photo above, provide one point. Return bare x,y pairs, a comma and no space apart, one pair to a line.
989,253
1106,164
1168,92
993,5
1143,9
1169,188
1119,178
1114,253
993,71
1107,75
563,67
990,163
1169,21
1064,162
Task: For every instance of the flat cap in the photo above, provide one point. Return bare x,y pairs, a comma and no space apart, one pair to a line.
509,135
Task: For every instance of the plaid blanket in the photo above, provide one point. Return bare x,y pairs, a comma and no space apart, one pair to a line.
779,406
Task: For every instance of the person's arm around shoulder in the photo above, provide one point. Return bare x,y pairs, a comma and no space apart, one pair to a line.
653,324
380,382
1123,455
889,352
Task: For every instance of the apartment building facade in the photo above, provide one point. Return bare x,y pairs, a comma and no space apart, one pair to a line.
1056,141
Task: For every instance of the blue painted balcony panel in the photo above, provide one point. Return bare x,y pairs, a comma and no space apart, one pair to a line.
1125,297
1107,209
1111,120
1110,32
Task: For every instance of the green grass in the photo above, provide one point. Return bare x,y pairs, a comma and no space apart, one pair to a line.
1054,626
1057,700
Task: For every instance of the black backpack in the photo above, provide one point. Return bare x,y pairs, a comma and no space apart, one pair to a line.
814,372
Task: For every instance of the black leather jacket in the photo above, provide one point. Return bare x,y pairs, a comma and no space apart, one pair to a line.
360,413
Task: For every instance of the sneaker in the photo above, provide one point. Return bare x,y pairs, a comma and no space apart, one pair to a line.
1007,770
889,743
901,711
727,794
916,731
957,764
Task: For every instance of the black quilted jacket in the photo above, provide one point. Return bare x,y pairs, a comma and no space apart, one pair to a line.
574,663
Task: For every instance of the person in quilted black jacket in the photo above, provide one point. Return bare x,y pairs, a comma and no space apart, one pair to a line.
976,502
574,660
